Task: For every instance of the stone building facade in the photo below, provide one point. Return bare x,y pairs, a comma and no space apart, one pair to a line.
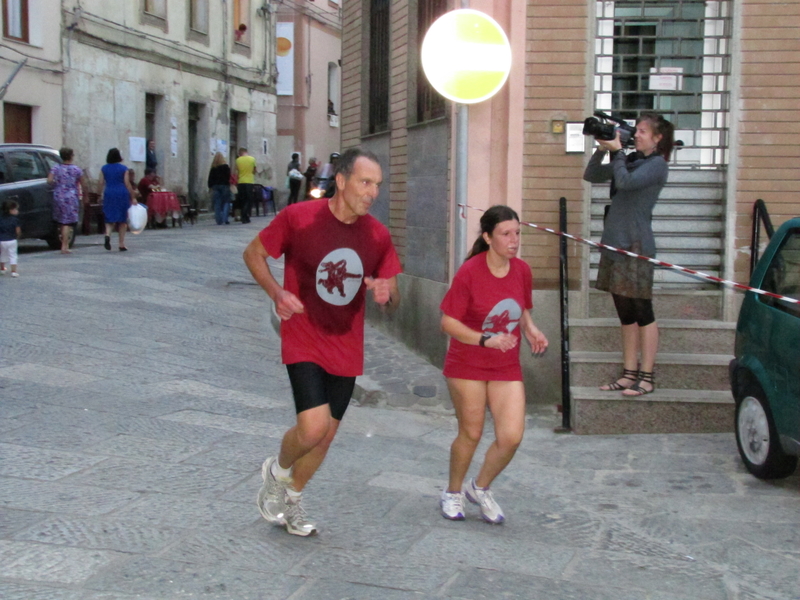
196,76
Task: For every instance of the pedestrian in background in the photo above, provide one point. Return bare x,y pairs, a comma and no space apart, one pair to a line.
295,177
150,158
149,183
335,251
117,191
10,232
636,182
68,184
219,182
309,175
486,311
245,182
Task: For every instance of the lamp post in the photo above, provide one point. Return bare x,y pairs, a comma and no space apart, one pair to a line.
466,57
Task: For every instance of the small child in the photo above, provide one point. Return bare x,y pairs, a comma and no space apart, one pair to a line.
9,233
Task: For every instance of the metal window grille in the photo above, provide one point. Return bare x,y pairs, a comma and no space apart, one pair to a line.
430,104
379,38
670,57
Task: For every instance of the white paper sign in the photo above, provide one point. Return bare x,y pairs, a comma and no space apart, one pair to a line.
137,148
576,141
666,79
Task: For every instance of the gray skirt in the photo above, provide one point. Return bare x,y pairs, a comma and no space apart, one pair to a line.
625,276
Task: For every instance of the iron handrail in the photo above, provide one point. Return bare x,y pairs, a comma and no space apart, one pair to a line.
566,398
760,215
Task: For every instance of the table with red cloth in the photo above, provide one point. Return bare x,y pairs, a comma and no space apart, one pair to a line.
163,203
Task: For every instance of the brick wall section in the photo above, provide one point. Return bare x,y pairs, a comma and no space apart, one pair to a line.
555,89
354,47
350,122
769,128
398,119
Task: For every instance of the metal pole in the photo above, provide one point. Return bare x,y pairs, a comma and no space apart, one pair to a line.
566,399
460,215
11,77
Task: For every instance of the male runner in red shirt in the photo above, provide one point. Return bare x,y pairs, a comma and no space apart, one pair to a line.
334,252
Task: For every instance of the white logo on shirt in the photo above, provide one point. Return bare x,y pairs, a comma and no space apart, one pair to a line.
339,276
503,318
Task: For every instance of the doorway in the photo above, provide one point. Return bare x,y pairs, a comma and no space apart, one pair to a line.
17,123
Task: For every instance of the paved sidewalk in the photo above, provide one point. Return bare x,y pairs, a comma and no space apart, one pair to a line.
140,392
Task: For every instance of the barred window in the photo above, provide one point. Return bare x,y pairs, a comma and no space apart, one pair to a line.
379,38
671,57
430,104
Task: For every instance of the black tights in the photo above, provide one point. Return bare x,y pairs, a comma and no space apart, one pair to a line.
634,310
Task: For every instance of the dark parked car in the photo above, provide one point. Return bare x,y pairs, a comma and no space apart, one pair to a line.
765,373
23,178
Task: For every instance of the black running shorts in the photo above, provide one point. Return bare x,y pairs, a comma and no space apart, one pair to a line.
313,386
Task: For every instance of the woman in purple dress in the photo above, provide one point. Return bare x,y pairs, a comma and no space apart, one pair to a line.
117,192
67,181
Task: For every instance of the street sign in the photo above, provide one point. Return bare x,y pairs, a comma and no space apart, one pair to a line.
466,56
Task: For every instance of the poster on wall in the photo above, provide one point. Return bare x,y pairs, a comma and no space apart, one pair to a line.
136,150
284,59
173,137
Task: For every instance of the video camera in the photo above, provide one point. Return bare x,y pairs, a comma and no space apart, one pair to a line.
605,127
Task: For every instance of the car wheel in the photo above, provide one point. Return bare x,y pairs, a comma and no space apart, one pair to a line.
757,438
54,241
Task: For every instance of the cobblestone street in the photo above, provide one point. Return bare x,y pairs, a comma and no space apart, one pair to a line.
141,391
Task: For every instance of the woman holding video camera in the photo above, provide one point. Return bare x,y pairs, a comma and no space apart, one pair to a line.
636,182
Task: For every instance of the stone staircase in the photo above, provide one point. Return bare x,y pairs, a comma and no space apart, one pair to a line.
692,390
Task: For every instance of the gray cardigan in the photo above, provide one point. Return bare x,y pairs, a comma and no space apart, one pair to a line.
636,186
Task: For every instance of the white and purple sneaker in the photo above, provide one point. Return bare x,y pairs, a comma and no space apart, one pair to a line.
490,509
452,504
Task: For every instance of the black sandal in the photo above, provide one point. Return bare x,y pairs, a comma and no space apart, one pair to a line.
614,386
644,377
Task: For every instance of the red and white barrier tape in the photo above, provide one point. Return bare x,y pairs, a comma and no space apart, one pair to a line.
659,263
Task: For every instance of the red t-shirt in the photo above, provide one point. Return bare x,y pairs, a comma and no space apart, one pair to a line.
492,305
326,262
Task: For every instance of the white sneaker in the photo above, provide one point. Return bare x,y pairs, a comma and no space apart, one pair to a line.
295,518
490,509
452,504
14,274
272,495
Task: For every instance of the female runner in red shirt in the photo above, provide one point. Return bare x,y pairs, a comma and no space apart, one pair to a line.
485,315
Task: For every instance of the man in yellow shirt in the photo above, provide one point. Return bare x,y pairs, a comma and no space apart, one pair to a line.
245,173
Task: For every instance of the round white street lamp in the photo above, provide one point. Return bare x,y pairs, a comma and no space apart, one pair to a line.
466,56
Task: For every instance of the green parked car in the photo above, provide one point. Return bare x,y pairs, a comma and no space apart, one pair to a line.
765,373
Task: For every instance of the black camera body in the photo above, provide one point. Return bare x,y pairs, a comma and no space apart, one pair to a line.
605,127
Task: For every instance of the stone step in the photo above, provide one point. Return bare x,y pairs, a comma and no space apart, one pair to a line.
667,304
675,335
678,371
683,190
692,207
664,411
